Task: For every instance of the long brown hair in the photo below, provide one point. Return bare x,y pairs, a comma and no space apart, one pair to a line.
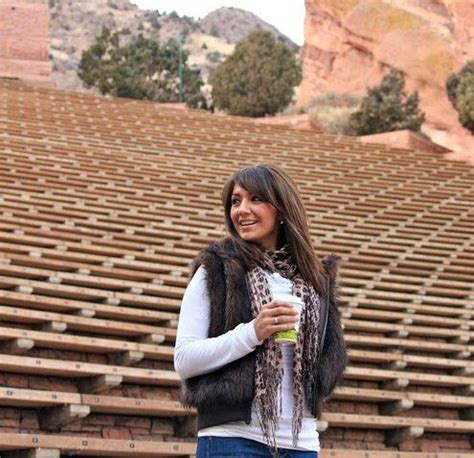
272,184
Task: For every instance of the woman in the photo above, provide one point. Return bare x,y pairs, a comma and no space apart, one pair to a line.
255,397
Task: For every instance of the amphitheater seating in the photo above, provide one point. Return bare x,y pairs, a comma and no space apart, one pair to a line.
92,446
85,344
44,366
80,323
105,202
380,454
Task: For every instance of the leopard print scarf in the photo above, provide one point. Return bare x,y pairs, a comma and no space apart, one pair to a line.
269,361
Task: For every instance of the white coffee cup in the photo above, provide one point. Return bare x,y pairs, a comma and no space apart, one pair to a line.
290,336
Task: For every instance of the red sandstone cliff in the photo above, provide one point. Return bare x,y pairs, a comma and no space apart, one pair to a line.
24,40
350,44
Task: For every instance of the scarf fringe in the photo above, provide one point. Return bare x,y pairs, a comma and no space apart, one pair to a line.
269,361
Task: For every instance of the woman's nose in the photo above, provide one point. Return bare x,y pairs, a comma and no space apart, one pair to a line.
244,207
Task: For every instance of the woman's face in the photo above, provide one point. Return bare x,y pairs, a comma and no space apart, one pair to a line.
254,219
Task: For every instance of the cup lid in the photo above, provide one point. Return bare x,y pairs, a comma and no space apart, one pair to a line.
292,299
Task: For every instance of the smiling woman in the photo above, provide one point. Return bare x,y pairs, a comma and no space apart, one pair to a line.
255,395
254,219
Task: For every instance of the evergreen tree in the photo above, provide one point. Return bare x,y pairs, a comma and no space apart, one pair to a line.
99,62
387,108
142,69
257,79
460,89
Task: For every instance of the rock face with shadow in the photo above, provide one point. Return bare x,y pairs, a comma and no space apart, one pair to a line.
350,45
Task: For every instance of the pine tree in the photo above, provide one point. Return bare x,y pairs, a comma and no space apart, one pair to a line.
99,62
465,102
387,108
142,69
460,89
257,79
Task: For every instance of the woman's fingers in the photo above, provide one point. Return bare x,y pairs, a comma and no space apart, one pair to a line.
278,308
274,317
276,303
282,312
281,319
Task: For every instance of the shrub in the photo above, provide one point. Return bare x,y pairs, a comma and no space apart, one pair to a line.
142,69
387,108
460,90
257,79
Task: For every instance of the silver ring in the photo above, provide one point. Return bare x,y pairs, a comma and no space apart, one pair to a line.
275,320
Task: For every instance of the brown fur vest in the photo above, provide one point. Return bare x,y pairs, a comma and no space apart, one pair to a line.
227,393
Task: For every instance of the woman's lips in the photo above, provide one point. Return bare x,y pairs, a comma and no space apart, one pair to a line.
248,226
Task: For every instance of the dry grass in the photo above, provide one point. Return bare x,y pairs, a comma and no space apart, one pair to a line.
333,111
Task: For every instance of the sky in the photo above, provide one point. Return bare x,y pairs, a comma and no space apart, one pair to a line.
286,16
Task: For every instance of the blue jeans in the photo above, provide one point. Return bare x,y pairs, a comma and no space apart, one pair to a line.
237,447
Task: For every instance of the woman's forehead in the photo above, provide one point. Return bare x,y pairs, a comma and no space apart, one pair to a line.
239,190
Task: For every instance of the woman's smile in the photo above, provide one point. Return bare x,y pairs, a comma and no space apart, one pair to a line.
247,225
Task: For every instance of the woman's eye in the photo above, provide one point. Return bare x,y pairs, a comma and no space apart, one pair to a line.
257,198
234,201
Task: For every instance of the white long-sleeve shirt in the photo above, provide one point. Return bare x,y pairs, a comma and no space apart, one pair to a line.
197,354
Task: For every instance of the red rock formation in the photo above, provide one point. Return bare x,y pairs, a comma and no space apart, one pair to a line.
299,122
405,139
24,40
350,45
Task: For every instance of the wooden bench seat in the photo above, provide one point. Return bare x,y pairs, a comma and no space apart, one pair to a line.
55,259
459,350
137,235
139,406
139,196
390,422
19,397
156,290
134,406
141,235
76,369
404,330
458,366
406,280
16,243
82,280
415,378
115,311
84,324
403,360
63,341
394,316
157,293
89,446
418,398
350,453
361,298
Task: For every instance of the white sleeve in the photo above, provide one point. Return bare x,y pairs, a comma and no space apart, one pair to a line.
195,353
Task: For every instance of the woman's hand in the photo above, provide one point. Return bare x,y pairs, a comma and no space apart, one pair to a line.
275,317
